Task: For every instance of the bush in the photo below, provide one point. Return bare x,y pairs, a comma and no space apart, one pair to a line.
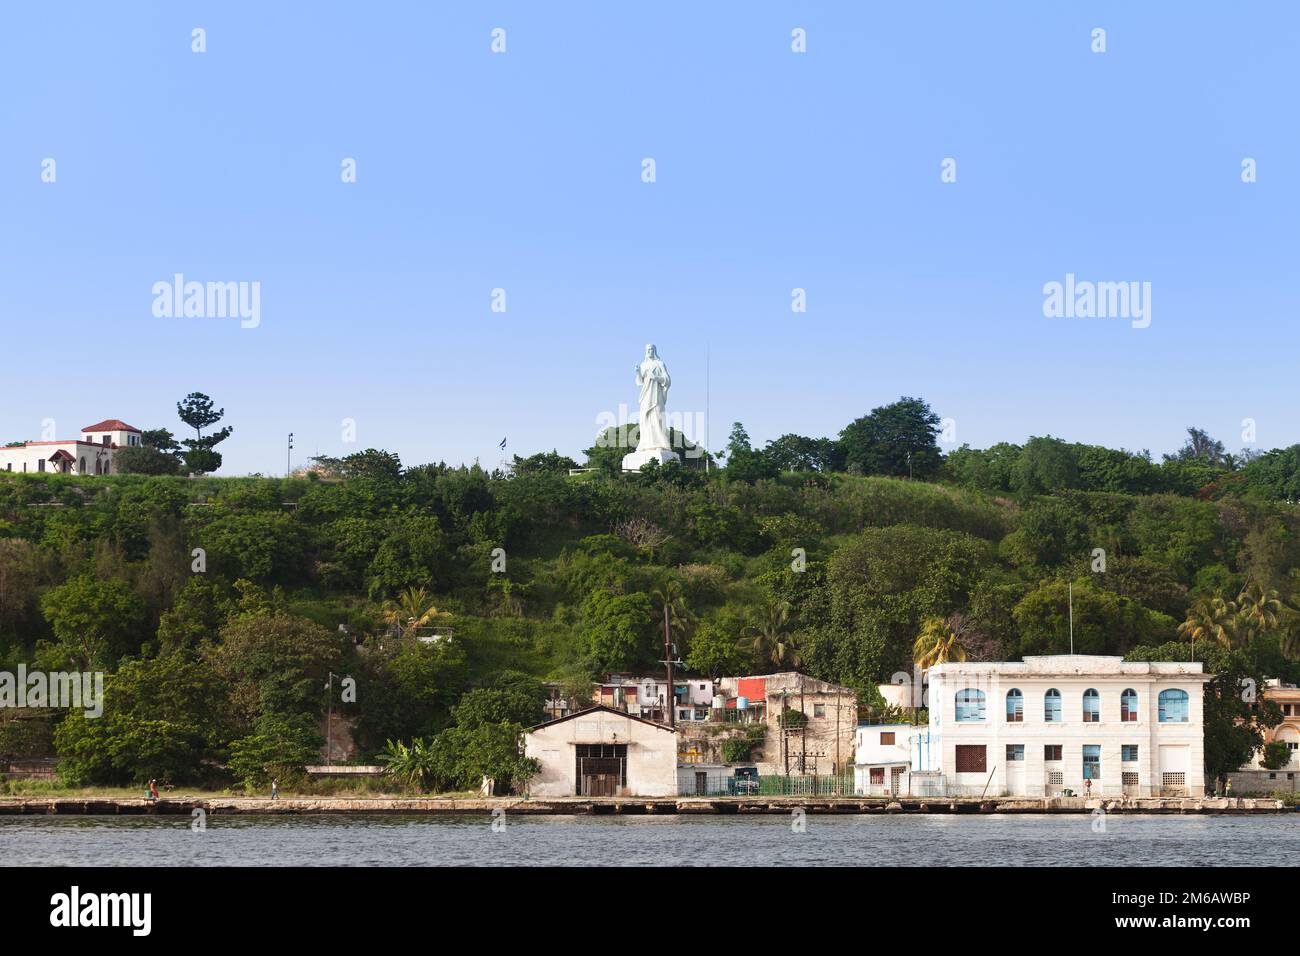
1276,755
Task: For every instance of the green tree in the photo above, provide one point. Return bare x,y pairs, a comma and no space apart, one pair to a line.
797,453
1104,622
1209,621
279,748
1276,755
196,410
744,462
161,718
1046,465
520,703
543,463
936,644
372,463
616,630
717,648
769,636
899,439
1259,610
94,622
275,663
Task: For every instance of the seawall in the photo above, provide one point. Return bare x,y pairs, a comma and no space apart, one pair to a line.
445,806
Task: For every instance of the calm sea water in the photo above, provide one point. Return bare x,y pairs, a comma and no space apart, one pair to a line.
651,841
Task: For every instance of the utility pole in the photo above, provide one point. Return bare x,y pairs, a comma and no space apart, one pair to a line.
785,732
668,661
1071,593
803,734
329,723
839,696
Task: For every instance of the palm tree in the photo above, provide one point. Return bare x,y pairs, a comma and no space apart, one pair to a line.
1210,619
936,644
769,638
680,617
1259,609
410,610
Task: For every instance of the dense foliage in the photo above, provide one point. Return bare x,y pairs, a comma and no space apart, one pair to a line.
221,606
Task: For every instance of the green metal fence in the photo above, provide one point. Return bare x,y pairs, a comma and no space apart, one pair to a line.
779,786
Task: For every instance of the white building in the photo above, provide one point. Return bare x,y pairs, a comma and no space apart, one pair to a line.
1050,724
648,697
91,454
602,752
884,755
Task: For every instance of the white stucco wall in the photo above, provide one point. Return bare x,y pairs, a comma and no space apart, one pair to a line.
1161,746
651,753
14,459
870,753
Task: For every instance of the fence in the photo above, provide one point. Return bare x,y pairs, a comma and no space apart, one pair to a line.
778,786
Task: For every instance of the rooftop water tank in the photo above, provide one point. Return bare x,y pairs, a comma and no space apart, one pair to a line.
742,703
719,702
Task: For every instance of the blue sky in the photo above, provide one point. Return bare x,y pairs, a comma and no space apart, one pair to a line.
522,171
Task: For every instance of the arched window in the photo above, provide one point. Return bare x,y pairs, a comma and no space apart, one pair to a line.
970,704
1128,706
1052,706
1015,706
82,467
1091,706
1173,706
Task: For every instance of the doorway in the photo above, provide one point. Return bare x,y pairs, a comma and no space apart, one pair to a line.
601,769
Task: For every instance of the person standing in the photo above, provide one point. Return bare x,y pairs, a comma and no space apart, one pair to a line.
153,788
275,789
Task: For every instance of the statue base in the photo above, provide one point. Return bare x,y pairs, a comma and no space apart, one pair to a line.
634,461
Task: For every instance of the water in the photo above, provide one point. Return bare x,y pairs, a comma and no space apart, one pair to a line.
652,841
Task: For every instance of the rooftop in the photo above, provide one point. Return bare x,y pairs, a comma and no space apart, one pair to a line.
111,425
1068,665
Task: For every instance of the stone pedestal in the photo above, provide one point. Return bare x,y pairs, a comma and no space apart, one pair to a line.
634,461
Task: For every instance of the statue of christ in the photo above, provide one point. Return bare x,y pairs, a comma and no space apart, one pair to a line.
652,378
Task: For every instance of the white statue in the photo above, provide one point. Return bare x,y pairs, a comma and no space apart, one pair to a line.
654,444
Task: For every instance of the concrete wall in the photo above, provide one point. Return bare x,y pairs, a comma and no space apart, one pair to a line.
651,753
1158,744
1265,781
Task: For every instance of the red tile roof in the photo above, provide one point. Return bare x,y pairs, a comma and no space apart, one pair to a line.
111,425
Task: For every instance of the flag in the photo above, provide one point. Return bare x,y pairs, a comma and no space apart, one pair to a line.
503,444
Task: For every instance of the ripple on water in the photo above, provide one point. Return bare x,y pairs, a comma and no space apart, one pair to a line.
652,841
